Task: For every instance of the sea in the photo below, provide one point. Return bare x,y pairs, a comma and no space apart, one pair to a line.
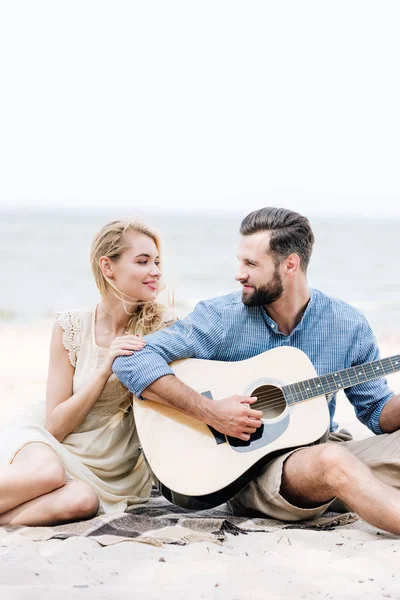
44,258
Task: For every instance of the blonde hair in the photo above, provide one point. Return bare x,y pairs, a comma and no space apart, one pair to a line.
111,241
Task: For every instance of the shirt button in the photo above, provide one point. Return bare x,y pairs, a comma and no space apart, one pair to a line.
273,326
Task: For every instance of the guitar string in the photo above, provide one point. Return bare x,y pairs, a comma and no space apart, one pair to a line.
275,399
296,396
301,401
263,394
273,396
264,406
281,401
274,405
278,392
298,402
277,395
278,401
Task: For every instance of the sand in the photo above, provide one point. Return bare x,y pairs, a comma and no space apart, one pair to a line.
355,561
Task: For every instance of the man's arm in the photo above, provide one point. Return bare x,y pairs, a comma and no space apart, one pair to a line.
147,374
231,416
375,404
199,335
390,416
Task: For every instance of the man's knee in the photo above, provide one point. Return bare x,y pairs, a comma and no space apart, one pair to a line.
325,466
334,464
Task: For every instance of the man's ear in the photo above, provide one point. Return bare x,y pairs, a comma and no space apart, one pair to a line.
292,264
106,267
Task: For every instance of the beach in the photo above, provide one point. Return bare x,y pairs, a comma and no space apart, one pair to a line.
352,561
45,269
188,117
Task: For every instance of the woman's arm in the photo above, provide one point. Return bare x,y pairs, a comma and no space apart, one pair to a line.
65,411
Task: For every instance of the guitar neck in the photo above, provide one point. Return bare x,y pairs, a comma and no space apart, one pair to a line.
339,380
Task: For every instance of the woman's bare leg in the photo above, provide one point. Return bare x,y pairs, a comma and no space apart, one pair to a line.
35,470
74,501
34,491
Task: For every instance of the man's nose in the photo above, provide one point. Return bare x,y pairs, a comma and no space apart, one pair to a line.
241,275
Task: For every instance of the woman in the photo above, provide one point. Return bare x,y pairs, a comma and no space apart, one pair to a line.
80,453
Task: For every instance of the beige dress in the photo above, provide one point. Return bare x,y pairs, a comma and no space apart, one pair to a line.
103,451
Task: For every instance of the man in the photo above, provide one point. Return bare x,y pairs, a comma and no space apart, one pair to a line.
277,308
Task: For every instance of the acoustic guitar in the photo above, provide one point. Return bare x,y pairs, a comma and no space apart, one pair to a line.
197,467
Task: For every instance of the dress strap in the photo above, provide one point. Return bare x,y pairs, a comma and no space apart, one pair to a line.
69,321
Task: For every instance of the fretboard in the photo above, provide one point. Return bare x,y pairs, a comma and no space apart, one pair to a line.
339,380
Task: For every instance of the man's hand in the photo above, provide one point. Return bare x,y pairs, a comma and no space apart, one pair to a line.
233,416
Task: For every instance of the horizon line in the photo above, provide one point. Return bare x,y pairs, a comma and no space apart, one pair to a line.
40,209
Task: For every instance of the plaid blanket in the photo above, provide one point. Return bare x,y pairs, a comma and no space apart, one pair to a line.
159,522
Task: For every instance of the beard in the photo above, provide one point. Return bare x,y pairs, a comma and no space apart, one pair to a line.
265,294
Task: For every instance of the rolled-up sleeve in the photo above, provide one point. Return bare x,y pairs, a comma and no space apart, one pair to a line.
369,398
199,335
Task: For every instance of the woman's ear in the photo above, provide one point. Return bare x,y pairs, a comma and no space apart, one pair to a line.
106,267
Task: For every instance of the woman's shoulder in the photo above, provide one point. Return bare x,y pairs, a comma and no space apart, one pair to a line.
74,318
76,325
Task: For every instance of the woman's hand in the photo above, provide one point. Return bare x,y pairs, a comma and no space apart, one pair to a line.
122,346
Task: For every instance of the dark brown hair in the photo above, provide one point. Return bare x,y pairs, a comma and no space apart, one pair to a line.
291,232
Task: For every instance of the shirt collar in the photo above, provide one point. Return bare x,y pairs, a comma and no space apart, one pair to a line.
271,323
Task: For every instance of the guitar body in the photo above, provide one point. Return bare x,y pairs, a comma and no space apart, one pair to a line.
195,466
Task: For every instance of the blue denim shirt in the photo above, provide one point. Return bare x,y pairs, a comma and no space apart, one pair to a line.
332,333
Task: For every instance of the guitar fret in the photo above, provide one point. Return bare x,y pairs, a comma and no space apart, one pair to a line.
288,394
291,394
369,370
386,366
301,389
324,384
331,382
356,373
306,390
343,379
365,374
314,384
295,394
339,378
346,379
378,368
310,386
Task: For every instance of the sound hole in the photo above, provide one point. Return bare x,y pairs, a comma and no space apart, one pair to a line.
270,400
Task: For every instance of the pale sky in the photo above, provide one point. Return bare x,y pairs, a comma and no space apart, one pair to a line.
201,105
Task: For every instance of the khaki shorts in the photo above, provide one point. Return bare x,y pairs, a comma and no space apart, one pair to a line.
380,452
